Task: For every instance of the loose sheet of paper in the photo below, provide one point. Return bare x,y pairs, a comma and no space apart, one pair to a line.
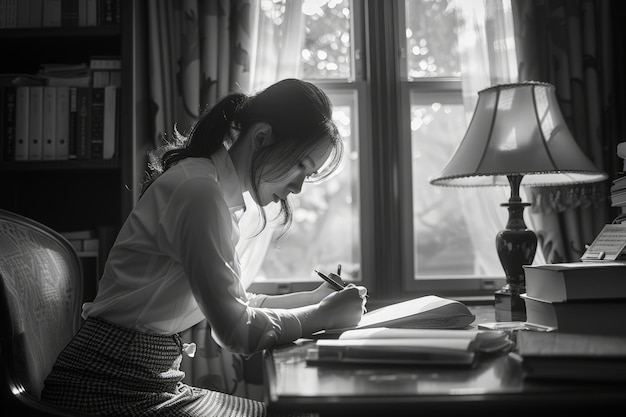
608,245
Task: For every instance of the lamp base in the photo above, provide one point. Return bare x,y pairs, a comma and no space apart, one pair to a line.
509,306
516,246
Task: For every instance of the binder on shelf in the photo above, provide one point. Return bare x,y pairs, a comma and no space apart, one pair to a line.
7,123
21,122
62,123
49,123
35,123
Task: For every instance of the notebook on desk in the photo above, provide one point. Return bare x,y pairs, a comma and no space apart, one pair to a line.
402,346
427,312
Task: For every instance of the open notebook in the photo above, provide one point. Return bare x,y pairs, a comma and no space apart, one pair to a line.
427,312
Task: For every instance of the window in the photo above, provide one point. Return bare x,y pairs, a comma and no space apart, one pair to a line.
379,217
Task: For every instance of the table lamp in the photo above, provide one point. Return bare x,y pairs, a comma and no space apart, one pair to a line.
517,136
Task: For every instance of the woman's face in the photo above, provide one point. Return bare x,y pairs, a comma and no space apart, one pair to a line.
291,183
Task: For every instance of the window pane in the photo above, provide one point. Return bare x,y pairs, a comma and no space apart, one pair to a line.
325,230
327,51
431,39
441,238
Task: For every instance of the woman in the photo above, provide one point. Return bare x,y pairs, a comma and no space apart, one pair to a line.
174,261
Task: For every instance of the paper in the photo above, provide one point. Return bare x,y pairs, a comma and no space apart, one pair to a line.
608,245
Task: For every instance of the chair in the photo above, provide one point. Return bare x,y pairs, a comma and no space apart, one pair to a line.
41,292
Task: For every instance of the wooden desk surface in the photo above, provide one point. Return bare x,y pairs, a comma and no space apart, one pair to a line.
494,387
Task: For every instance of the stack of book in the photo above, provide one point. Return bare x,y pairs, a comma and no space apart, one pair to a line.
618,188
577,297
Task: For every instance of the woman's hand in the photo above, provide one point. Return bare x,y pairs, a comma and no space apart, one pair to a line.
343,308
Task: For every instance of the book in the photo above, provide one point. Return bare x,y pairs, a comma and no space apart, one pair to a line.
485,341
51,13
62,123
7,123
35,19
69,13
618,184
582,316
105,70
21,122
110,129
8,14
71,75
576,280
22,17
109,12
618,198
426,312
91,12
391,346
96,123
621,150
35,123
83,123
49,123
571,357
103,62
73,122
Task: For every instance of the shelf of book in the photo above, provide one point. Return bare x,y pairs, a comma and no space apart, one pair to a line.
66,192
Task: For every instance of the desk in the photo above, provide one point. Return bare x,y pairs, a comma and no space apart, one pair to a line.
494,387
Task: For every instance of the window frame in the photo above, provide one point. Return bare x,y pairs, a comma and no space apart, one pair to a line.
383,93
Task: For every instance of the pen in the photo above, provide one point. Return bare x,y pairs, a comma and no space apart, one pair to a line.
331,281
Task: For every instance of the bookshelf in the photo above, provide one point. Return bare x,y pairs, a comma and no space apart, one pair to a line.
94,194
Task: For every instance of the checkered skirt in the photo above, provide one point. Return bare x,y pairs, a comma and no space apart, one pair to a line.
110,370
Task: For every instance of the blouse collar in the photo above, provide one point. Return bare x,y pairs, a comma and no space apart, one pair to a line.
229,180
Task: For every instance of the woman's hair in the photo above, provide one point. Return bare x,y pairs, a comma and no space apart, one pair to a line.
300,115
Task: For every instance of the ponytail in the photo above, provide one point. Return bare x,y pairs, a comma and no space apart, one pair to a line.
207,135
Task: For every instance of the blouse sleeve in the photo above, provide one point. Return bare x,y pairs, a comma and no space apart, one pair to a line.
196,230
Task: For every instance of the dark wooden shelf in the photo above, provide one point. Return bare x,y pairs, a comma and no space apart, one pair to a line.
69,165
59,32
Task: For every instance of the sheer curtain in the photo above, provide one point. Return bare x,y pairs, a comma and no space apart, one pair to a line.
200,50
488,57
275,55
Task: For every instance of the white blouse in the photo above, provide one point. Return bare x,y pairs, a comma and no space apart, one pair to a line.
174,262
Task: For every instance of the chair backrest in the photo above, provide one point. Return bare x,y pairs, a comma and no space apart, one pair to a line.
41,292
